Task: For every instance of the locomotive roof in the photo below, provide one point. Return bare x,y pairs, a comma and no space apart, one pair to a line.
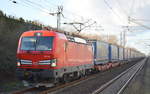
70,37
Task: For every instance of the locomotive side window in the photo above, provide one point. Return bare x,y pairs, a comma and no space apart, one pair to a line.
37,43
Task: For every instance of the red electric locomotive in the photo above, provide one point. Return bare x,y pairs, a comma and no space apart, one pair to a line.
44,55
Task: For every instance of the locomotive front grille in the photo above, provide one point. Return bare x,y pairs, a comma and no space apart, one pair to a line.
45,62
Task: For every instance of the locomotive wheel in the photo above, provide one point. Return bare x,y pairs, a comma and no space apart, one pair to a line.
76,76
83,73
65,78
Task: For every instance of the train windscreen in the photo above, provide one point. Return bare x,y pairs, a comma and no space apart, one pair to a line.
40,43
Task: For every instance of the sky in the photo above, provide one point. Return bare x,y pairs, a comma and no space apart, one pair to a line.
111,16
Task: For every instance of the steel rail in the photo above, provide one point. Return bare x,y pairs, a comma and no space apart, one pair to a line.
133,75
24,90
104,86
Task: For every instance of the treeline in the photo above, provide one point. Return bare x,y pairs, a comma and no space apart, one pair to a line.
10,31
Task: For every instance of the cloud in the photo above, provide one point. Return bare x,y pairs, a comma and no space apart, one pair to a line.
111,16
114,16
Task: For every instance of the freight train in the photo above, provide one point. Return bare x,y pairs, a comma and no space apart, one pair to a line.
47,55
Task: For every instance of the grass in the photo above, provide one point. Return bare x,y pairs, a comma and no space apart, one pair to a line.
11,86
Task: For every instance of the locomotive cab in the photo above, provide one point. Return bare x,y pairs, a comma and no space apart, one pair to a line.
36,55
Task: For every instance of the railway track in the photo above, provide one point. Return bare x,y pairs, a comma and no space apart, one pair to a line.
24,90
70,84
119,83
60,87
34,90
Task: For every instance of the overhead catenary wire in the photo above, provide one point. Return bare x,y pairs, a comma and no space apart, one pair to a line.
39,5
51,4
68,12
43,9
65,10
16,2
124,11
28,3
145,20
128,15
132,7
135,20
34,6
147,27
107,4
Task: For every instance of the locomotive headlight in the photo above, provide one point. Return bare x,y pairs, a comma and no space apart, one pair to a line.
53,63
18,63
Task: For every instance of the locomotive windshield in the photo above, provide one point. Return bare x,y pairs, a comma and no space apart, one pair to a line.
39,43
